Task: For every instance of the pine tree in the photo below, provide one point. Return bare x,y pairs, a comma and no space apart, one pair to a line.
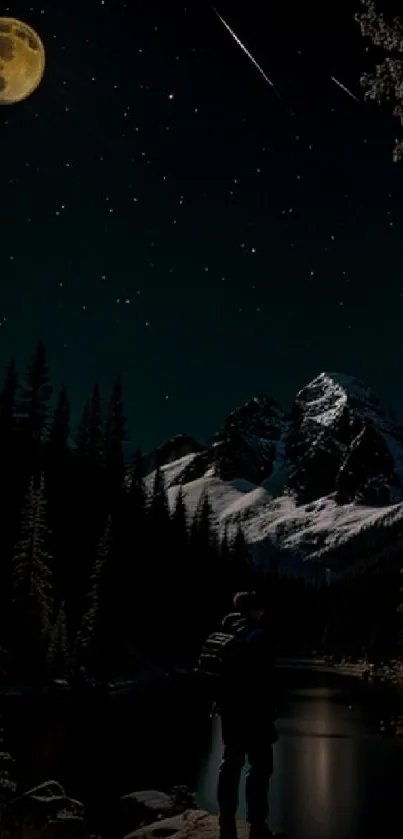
31,576
241,567
89,632
158,509
83,431
8,401
58,649
134,539
202,529
137,492
60,427
386,83
181,598
89,437
204,562
400,620
224,571
8,787
159,576
116,603
225,551
136,505
90,505
179,521
12,468
159,527
114,438
35,394
60,491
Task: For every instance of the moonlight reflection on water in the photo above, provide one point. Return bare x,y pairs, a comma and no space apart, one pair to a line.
332,778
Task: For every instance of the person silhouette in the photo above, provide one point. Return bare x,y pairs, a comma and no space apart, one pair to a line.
246,703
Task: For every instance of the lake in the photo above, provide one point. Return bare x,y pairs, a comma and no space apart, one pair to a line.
335,776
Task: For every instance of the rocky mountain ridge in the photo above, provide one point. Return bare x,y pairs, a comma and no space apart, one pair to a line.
336,456
337,438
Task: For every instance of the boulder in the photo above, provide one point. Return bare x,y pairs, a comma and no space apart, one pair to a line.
44,812
147,806
192,824
144,807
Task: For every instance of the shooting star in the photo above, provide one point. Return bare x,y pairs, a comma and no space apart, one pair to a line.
246,51
346,90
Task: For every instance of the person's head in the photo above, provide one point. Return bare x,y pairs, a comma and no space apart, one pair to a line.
251,604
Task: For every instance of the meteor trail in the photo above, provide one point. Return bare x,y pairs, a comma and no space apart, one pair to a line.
246,51
346,90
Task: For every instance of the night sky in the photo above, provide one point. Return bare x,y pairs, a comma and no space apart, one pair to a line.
167,217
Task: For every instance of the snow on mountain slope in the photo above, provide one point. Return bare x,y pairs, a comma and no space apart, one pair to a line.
312,485
304,532
174,470
174,449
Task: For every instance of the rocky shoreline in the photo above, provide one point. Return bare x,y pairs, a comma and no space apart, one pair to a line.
391,672
46,812
191,824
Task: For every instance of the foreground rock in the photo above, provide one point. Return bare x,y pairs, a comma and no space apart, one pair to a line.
147,806
192,824
45,812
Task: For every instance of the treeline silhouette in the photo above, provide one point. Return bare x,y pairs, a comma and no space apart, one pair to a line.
94,563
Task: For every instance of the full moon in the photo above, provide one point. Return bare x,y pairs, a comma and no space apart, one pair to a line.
22,60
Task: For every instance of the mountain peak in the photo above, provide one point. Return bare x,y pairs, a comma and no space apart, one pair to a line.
323,482
324,399
254,414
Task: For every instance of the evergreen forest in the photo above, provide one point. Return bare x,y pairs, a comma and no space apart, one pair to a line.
94,563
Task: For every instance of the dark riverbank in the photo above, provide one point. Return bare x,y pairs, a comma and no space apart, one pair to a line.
107,747
102,747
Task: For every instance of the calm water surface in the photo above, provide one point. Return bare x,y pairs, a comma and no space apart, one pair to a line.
335,777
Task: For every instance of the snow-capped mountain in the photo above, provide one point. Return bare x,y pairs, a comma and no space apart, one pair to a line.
324,482
342,439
